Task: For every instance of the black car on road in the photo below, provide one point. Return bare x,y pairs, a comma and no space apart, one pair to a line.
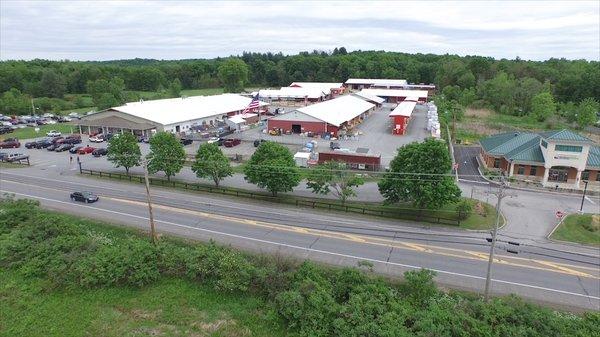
99,152
84,196
44,143
186,141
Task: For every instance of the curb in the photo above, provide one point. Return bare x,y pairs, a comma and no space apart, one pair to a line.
569,243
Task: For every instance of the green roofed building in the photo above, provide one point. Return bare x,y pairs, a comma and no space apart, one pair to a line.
562,158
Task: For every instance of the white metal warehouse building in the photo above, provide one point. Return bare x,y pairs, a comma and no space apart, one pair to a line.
172,115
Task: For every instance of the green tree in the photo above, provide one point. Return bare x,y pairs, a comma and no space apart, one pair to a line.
419,174
233,74
542,106
166,154
587,112
14,102
211,162
175,88
272,167
106,93
123,150
499,92
53,84
334,177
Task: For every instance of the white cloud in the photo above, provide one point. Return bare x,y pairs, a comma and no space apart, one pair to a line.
173,30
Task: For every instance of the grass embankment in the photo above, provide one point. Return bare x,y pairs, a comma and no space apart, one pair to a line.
170,307
29,132
62,275
579,228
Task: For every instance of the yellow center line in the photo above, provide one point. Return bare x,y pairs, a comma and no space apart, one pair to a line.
443,251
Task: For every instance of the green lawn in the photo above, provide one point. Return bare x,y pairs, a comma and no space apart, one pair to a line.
579,228
170,307
78,110
29,132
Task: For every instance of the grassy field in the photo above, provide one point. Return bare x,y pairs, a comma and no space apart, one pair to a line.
579,228
479,123
29,132
78,110
170,307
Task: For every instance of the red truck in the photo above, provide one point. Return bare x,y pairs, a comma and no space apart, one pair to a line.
232,142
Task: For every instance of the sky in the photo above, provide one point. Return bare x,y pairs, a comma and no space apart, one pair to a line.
108,30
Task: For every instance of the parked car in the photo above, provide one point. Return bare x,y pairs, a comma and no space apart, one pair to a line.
73,139
3,155
231,142
10,143
186,141
30,145
64,147
53,147
84,196
99,138
334,145
100,152
44,143
53,133
108,136
74,149
64,119
58,140
258,142
12,157
86,150
5,129
213,140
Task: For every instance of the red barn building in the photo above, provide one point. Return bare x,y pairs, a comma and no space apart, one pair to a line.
327,117
401,116
354,160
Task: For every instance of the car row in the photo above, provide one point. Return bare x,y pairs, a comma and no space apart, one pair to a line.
227,142
50,141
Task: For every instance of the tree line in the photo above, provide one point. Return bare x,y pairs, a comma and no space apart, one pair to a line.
507,86
418,174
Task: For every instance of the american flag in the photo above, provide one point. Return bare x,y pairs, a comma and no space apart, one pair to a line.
254,104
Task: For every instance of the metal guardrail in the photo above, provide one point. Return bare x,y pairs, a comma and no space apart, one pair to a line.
395,213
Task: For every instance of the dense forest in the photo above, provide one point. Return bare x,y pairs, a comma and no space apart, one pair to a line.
515,87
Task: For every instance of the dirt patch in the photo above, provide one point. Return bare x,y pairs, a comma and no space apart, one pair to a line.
480,209
478,113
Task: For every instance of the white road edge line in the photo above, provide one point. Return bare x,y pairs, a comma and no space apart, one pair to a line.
318,250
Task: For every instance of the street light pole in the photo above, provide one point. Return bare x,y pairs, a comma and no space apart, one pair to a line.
149,199
583,197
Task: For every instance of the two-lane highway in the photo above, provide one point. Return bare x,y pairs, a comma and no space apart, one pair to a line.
560,278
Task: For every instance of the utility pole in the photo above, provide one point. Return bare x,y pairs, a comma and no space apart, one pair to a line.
149,198
583,197
500,194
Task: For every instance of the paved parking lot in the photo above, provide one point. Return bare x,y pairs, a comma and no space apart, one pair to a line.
465,156
375,134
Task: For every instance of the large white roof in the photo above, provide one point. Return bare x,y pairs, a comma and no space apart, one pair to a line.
293,92
323,86
396,93
338,110
370,97
177,110
376,81
405,109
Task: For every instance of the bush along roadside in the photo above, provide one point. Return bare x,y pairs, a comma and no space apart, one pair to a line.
312,300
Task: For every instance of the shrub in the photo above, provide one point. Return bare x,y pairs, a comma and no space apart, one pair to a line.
464,208
419,287
229,270
128,262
